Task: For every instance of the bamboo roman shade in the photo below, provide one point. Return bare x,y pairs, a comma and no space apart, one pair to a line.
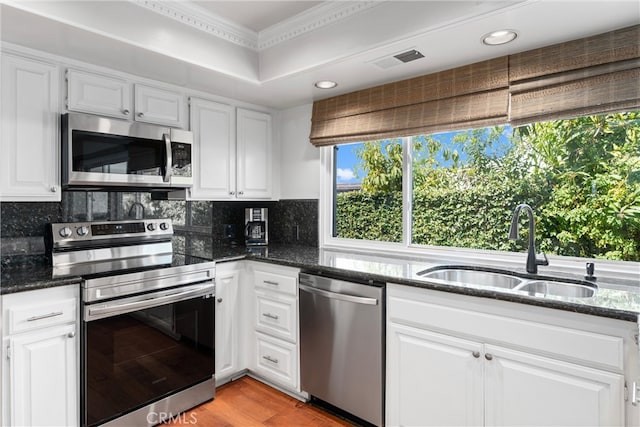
587,76
471,96
591,75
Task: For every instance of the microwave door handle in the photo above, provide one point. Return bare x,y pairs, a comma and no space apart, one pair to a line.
167,144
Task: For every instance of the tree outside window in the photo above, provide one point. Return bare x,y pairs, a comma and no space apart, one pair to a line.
581,176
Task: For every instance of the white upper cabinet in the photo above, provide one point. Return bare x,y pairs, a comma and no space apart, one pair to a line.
160,106
254,158
98,94
214,150
232,150
30,157
111,96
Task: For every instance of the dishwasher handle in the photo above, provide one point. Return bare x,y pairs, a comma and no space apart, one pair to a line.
338,296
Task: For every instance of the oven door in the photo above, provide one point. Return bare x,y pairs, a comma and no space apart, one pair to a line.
139,350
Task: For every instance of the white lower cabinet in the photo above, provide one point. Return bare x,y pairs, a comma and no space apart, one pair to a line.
447,365
40,369
527,389
44,377
276,355
432,379
227,318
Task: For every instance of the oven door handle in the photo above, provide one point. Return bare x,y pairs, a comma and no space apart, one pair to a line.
113,308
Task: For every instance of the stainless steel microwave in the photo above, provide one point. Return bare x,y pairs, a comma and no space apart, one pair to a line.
102,153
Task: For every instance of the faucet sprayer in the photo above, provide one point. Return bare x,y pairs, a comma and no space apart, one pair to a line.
532,260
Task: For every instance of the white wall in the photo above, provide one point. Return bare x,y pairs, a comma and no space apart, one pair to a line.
299,160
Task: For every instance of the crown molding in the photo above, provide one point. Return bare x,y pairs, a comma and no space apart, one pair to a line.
196,17
326,13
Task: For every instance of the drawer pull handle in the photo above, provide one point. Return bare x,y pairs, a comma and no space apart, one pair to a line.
44,316
271,316
271,282
71,334
476,354
270,359
488,356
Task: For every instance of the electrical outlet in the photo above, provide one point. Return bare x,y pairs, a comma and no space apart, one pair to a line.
229,231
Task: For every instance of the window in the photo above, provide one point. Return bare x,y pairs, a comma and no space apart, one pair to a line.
368,188
580,175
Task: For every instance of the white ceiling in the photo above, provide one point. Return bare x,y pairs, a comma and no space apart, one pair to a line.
271,52
255,15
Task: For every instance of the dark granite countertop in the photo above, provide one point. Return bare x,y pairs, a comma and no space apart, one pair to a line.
616,299
25,273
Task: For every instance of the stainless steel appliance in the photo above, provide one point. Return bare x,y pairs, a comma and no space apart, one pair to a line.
256,226
342,344
147,345
99,152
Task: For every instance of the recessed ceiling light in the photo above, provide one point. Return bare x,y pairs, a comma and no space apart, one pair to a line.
325,84
499,37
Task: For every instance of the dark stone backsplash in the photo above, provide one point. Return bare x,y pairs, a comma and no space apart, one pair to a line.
199,225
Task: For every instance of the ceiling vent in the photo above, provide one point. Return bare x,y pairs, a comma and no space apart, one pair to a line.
400,58
408,56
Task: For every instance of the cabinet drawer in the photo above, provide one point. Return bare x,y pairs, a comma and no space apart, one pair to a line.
27,317
276,314
276,282
276,360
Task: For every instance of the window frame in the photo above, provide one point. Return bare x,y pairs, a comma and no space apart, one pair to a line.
625,270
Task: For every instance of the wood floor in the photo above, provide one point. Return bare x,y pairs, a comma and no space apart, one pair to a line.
247,402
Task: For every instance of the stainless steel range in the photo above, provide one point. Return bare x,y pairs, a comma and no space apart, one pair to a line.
147,320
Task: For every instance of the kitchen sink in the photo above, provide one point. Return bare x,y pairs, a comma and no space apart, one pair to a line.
474,277
557,288
510,281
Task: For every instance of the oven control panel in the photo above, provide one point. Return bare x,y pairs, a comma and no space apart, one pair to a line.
65,233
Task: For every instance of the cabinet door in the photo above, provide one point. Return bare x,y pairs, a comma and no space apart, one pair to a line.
44,377
214,150
432,379
97,94
227,324
254,155
154,105
30,157
526,389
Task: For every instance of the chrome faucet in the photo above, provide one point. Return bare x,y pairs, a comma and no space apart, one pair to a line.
532,259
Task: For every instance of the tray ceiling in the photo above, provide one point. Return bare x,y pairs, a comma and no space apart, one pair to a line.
271,52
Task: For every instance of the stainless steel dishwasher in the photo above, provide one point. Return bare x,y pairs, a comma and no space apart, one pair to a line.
342,344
